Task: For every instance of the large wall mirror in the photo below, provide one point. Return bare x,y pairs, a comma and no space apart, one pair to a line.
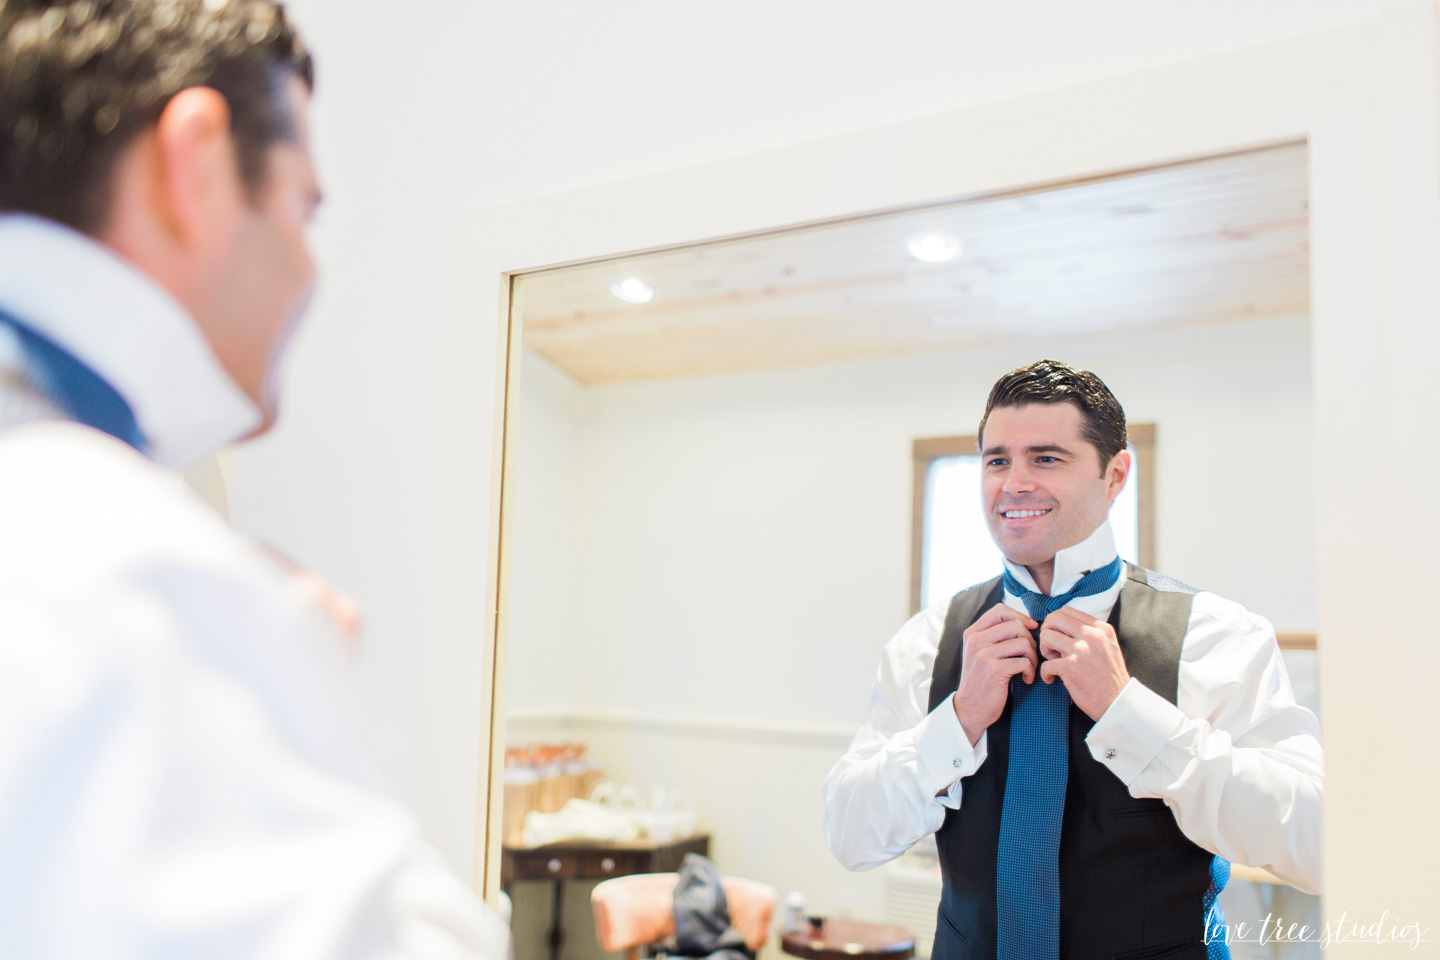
725,466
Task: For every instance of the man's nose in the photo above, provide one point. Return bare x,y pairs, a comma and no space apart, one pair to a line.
1018,480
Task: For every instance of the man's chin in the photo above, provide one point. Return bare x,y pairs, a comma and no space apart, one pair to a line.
269,413
1030,561
1025,554
269,400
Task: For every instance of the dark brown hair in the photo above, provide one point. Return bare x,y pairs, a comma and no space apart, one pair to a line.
1050,381
79,79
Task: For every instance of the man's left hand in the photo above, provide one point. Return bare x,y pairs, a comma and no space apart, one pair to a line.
1083,652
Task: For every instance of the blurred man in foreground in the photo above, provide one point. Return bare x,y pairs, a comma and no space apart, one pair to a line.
177,778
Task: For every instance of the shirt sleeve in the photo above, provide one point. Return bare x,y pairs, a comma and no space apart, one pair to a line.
169,795
904,767
1236,759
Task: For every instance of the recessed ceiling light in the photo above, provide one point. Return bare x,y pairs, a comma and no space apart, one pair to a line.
632,290
934,247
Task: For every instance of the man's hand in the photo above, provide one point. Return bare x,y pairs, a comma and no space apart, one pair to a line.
1084,653
339,605
994,649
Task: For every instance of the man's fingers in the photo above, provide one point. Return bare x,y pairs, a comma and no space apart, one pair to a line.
1072,622
1054,643
998,633
1014,647
1003,660
1051,670
1065,621
1007,667
1078,615
1000,613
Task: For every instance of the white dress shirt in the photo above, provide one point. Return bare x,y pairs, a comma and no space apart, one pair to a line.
180,776
1235,758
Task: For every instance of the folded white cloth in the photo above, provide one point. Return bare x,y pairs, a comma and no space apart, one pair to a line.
579,820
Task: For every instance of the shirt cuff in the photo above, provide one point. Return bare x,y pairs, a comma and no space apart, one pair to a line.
1130,734
946,753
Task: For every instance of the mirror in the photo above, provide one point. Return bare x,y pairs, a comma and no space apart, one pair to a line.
720,513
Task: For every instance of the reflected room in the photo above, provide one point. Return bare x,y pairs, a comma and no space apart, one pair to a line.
739,467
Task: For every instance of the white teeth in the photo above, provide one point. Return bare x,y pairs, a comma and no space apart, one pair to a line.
1018,514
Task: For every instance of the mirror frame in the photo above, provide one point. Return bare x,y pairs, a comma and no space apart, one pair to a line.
1366,99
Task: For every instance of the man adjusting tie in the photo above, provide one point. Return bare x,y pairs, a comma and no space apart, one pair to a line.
178,779
1093,743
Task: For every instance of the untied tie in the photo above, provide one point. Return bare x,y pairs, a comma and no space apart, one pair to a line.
70,384
1027,870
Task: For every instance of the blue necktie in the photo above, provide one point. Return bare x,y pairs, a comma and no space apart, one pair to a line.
73,386
1217,948
1027,869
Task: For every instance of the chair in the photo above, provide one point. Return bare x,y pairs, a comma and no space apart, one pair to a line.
635,911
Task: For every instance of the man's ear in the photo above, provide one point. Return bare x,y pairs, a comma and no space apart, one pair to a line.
1116,474
196,169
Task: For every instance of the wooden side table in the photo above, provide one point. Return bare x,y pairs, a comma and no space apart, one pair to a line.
580,860
846,939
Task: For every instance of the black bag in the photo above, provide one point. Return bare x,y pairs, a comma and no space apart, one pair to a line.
702,917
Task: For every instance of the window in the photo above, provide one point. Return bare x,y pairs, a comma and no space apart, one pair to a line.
952,547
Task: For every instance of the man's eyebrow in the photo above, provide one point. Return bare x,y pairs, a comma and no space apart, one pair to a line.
1042,448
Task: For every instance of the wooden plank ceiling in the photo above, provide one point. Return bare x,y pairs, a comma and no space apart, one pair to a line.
1205,242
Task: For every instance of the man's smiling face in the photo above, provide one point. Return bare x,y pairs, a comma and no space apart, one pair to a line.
1042,483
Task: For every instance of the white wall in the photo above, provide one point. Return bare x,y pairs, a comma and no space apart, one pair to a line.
763,519
570,94
547,601
349,482
427,109
744,540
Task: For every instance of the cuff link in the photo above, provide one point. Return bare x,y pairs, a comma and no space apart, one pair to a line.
1109,753
958,763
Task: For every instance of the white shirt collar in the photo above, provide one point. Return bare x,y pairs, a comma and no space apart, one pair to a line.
1072,563
129,330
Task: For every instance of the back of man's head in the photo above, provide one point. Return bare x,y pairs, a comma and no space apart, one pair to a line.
79,79
1051,381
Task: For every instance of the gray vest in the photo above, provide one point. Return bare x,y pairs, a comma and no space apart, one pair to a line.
1132,886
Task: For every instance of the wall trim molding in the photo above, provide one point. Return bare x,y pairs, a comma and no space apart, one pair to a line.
794,735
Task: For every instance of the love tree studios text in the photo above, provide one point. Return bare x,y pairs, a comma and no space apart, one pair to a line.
1275,930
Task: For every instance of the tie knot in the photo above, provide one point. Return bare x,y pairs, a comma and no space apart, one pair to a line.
1040,605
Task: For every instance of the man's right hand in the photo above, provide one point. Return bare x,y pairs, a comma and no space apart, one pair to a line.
995,648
